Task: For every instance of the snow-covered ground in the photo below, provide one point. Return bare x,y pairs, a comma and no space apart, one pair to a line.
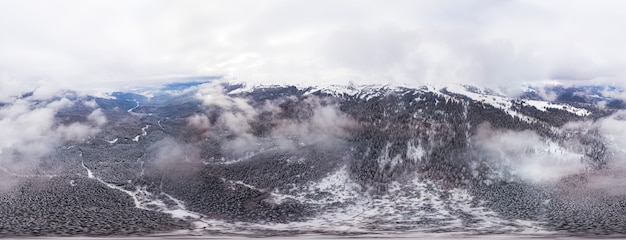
439,236
345,207
410,207
505,103
415,206
499,101
144,132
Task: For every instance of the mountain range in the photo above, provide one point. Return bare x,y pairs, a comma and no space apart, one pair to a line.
211,157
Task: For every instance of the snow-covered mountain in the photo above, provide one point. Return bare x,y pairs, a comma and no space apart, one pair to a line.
216,157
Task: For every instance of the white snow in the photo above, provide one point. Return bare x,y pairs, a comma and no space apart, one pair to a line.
415,152
90,175
144,133
144,199
337,90
418,205
159,123
548,162
492,98
133,108
89,172
544,106
505,103
345,206
497,100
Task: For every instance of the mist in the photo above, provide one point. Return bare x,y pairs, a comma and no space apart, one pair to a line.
169,155
527,156
283,123
31,131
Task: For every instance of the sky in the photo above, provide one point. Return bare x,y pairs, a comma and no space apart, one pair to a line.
75,43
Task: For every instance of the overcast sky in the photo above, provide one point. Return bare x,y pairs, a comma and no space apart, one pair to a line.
484,42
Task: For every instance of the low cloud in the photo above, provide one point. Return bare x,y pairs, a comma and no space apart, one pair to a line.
308,121
610,130
614,128
30,132
200,122
326,125
593,147
171,155
526,155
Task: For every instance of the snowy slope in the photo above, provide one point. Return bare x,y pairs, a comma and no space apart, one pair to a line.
368,92
506,103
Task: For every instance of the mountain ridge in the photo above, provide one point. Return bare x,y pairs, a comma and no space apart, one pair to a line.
216,157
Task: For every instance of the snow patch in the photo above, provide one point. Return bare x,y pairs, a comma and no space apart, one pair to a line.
506,103
89,172
144,133
417,205
133,108
415,152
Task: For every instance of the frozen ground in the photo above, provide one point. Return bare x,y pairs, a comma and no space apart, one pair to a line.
379,162
446,236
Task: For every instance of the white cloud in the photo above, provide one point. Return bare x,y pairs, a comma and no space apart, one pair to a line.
485,42
200,122
169,155
614,128
97,117
30,131
317,123
526,155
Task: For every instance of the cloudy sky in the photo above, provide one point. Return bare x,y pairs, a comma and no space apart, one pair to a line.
70,43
